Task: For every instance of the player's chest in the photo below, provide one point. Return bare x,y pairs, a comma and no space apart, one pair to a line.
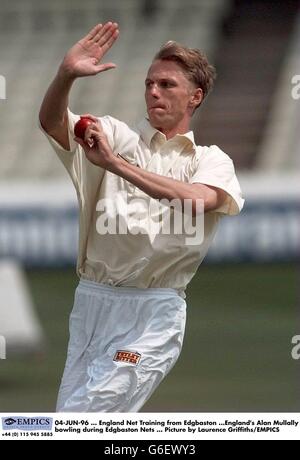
169,161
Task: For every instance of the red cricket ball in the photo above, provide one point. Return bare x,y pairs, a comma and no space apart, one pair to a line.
81,125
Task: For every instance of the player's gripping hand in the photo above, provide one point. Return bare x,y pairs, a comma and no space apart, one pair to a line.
84,58
95,144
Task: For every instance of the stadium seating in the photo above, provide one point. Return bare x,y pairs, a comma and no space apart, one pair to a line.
255,45
281,142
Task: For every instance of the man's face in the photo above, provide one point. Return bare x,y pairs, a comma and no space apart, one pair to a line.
168,95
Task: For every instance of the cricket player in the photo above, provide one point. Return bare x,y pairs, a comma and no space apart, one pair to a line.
128,320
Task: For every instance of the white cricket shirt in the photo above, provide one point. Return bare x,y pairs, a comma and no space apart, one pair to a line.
143,260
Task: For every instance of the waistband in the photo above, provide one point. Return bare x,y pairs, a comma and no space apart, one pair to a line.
121,290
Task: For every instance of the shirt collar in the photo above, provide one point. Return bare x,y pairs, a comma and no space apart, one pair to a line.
147,133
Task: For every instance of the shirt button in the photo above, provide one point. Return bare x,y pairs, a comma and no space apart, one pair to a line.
110,282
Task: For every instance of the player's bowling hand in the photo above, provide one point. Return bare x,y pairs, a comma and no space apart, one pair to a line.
84,58
81,125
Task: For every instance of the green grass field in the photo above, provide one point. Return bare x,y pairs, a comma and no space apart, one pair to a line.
236,355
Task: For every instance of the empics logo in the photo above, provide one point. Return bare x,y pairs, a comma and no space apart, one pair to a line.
2,347
10,421
2,87
296,87
27,423
296,350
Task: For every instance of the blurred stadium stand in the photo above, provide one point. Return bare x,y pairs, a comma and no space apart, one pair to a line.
37,35
250,56
280,147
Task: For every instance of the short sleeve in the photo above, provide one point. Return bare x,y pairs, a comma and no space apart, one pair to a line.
215,168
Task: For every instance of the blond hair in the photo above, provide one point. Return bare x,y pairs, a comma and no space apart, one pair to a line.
193,62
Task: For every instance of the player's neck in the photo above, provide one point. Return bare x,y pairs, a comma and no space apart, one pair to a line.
181,128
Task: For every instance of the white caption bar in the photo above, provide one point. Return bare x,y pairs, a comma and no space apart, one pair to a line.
150,426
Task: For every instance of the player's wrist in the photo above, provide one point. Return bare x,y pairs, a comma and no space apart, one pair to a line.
115,164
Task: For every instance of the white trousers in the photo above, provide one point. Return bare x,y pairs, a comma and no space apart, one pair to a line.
123,342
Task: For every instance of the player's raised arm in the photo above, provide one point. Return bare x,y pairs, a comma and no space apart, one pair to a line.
82,60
